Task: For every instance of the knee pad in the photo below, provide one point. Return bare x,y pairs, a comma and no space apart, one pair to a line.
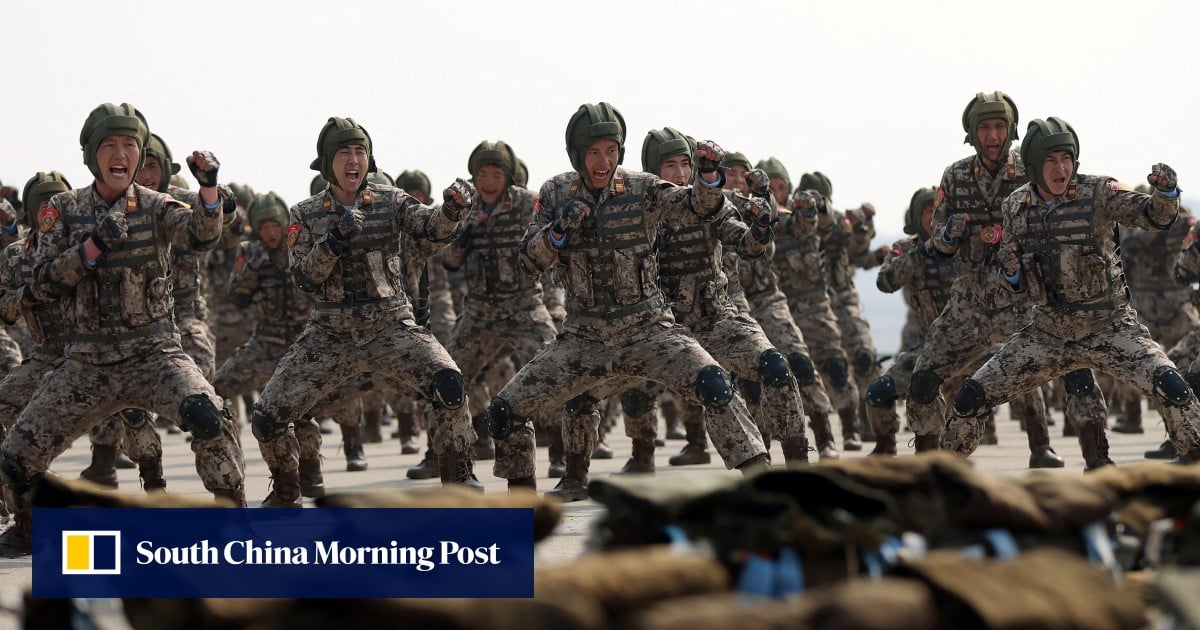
714,387
971,400
201,417
802,368
1171,387
1079,383
13,475
135,418
864,362
751,390
636,402
501,419
773,369
447,389
264,427
924,387
838,371
881,393
581,405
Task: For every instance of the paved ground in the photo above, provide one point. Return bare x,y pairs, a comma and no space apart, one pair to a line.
387,469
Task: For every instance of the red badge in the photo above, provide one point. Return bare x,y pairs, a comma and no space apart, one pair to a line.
293,233
941,196
991,234
537,206
897,251
1188,240
239,264
47,216
1114,185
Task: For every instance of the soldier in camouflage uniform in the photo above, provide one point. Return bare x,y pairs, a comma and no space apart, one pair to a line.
230,324
345,247
599,223
1059,252
106,248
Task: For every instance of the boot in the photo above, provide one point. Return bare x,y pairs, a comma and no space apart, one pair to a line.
695,452
1131,420
927,442
1041,455
850,438
885,444
459,470
356,459
123,462
642,460
408,432
529,482
1166,450
151,472
372,433
1093,443
103,469
312,482
989,431
573,485
285,491
558,462
755,464
427,469
17,540
237,497
795,450
483,448
823,432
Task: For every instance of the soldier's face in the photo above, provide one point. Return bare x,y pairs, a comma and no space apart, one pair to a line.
1057,170
600,162
927,219
117,157
271,234
992,133
489,181
418,194
735,178
150,174
677,169
350,167
779,188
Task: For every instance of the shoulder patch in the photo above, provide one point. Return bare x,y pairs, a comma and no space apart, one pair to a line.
991,234
1116,185
293,234
47,217
239,263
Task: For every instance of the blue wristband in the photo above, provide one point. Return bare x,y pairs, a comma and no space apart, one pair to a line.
11,228
1014,280
557,243
212,207
1172,194
946,239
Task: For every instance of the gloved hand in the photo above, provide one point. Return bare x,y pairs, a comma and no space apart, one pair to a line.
759,183
708,156
956,226
806,202
571,214
1163,177
204,167
457,197
258,256
111,231
349,225
1009,257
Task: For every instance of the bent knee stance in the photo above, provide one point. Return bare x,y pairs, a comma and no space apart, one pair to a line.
713,386
881,393
201,417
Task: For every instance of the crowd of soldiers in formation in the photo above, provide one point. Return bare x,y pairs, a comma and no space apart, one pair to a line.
705,289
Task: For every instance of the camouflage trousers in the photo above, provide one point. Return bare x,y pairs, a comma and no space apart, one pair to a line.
322,360
856,339
819,328
771,312
199,342
76,396
1171,318
481,338
10,353
18,385
1122,347
573,365
231,328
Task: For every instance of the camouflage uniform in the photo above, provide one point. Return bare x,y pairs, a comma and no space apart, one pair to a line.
847,307
1071,271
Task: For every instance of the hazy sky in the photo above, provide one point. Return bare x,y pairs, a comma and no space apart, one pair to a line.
871,93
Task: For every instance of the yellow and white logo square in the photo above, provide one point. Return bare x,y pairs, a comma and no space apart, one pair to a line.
91,552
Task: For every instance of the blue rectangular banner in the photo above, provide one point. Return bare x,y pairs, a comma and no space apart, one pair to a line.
212,552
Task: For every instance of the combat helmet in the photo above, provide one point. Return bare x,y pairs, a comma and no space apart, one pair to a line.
661,144
912,218
267,207
415,180
338,133
589,124
244,194
317,185
497,153
160,151
38,190
108,120
775,170
179,181
1043,137
736,158
521,174
380,178
817,181
990,105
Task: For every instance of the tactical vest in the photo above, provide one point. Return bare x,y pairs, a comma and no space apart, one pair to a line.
1149,257
758,276
1073,264
932,290
610,267
370,269
800,266
491,268
186,268
281,312
46,321
690,267
972,191
129,295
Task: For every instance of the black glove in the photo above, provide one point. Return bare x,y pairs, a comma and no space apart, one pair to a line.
112,230
457,197
806,202
571,214
204,167
1163,177
349,225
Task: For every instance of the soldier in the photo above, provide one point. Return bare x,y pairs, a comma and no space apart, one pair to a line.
231,324
1058,251
107,247
599,223
345,249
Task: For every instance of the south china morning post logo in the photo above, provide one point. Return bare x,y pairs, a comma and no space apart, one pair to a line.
91,552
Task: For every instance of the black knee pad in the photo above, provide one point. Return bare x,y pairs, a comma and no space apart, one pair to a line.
838,371
13,475
447,389
971,400
501,419
924,387
881,393
751,390
264,427
864,362
135,418
1171,387
1079,382
201,417
581,405
802,368
773,369
636,402
714,387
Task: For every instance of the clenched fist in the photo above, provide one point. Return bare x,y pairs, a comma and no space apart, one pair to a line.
457,197
571,214
708,156
204,167
349,225
956,226
1010,259
1162,177
111,231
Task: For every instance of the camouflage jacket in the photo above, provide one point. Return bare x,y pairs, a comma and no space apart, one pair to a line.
46,321
1186,270
1148,257
799,259
189,286
488,252
261,279
967,187
925,277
